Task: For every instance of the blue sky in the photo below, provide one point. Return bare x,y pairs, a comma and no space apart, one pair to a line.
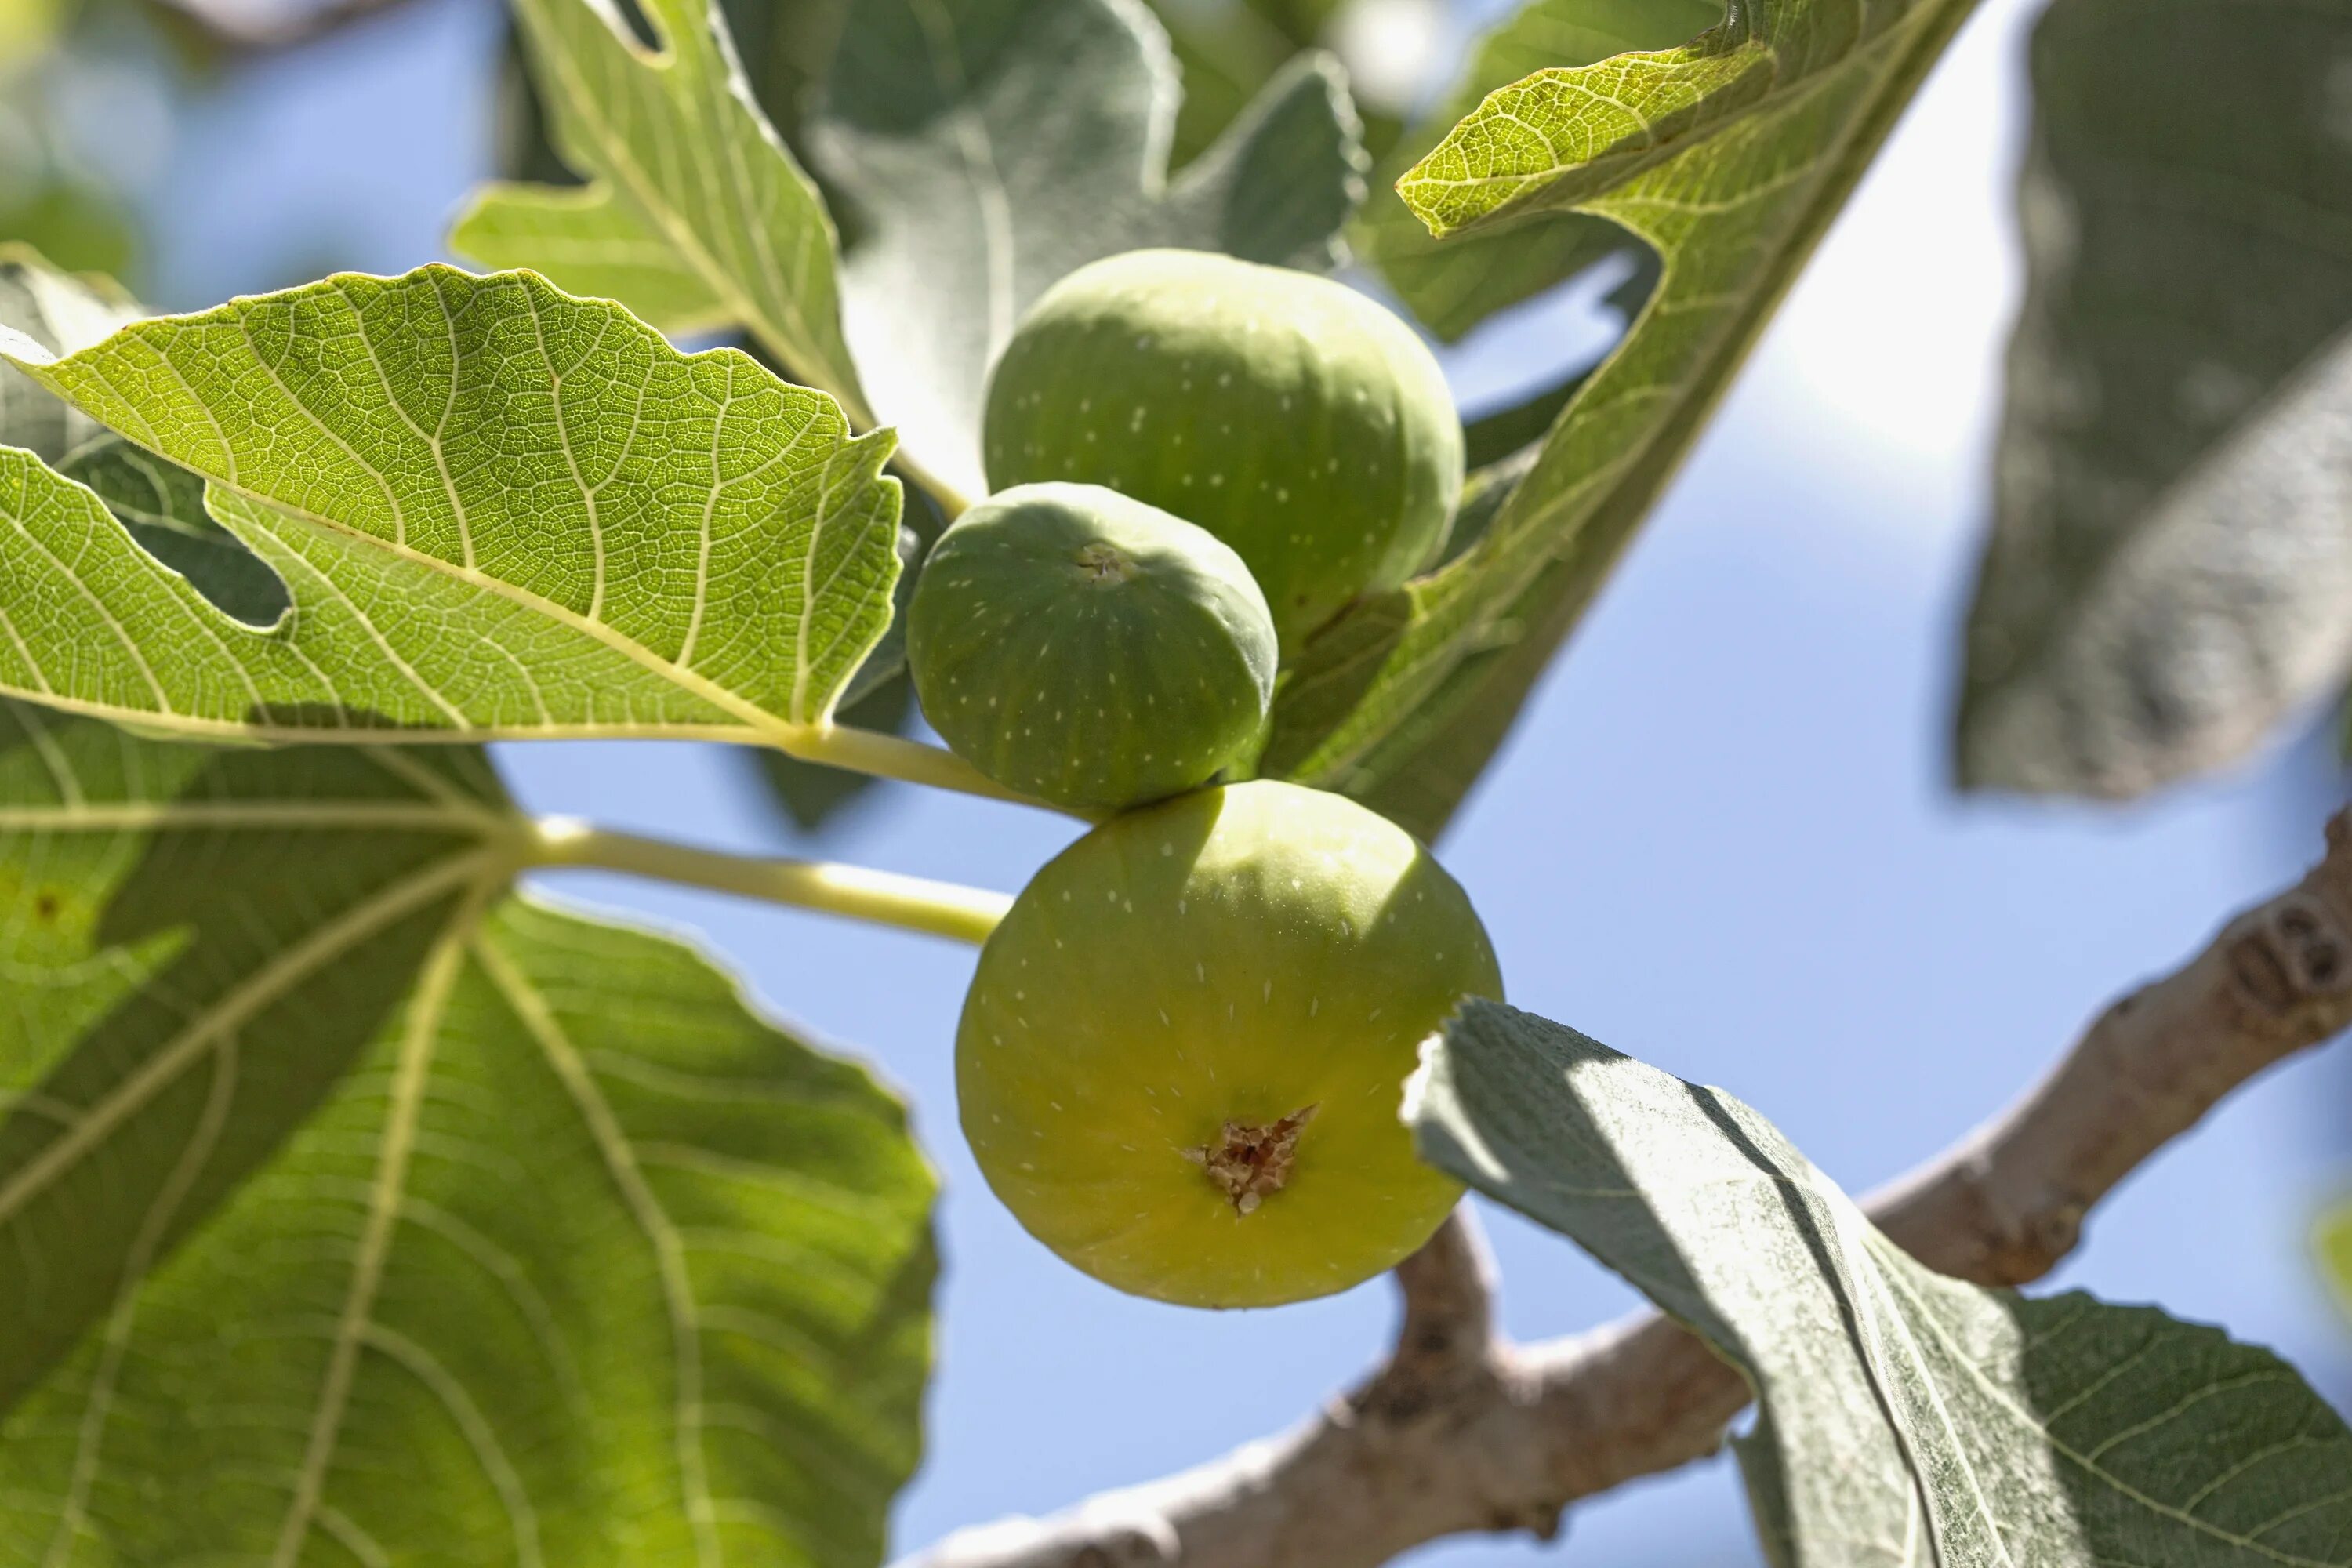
1722,839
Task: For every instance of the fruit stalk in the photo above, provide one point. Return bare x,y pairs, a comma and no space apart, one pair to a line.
895,757
881,897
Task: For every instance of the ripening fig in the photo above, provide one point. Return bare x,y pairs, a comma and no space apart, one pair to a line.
1290,416
1181,1060
1086,648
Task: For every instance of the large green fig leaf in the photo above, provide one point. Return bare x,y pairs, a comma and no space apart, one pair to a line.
1908,1419
988,147
1403,701
355,1208
2170,567
497,509
1453,285
696,213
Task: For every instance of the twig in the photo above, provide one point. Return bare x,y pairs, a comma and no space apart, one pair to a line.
1461,1430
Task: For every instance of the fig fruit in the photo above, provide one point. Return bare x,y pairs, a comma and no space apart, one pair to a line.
1290,416
1084,648
1181,1059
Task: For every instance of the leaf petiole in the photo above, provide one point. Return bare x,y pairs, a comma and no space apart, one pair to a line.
884,898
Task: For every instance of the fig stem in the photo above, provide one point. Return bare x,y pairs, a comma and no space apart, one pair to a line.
884,898
896,757
951,501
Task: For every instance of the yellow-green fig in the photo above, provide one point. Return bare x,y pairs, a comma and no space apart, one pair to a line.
1290,416
1181,1059
1081,647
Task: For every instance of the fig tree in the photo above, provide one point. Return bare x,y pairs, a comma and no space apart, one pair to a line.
1082,646
1290,416
1182,1058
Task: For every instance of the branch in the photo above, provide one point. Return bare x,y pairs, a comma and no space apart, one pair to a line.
1461,1430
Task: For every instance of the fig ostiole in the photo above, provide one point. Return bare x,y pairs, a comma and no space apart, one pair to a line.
1181,1059
1291,416
1088,648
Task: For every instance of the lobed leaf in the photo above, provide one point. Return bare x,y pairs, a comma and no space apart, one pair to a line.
496,510
1403,701
1908,1419
355,1207
2169,572
986,148
680,159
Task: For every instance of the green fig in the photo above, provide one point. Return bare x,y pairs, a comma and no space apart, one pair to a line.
1182,1057
1084,648
1291,416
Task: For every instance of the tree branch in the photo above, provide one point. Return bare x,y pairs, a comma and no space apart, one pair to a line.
1461,1430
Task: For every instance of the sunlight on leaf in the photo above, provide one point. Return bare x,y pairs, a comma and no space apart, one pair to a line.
592,244
1564,134
1415,690
679,159
1454,284
1908,1419
497,509
333,1176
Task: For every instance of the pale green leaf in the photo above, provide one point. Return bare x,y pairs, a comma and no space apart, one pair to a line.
2170,568
1427,682
61,312
1453,285
592,244
1564,134
497,509
1908,1419
359,1210
677,151
988,147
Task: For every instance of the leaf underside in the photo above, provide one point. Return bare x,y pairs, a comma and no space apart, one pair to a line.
2169,572
986,148
1908,1419
356,1208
